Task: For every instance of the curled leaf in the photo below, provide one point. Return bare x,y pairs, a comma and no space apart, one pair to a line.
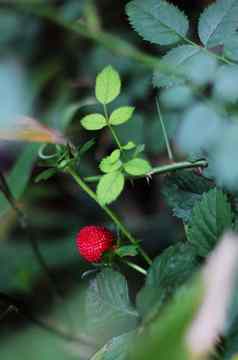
30,130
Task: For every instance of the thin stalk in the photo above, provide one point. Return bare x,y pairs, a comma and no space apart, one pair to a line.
217,56
108,211
135,267
166,138
15,305
113,132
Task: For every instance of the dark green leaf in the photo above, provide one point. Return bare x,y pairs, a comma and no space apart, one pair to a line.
107,303
163,337
190,62
182,191
211,216
116,349
45,175
157,21
218,22
168,271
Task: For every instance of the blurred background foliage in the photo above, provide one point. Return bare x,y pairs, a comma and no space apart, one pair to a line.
44,69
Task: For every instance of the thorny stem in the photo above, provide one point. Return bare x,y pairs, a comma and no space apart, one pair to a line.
108,211
163,169
178,166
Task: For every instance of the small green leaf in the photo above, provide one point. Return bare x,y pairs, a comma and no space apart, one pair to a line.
121,115
129,146
137,167
111,163
108,85
110,186
45,175
94,122
210,218
127,250
115,155
107,167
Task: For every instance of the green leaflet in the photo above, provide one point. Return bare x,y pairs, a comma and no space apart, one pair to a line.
218,22
137,167
121,115
210,218
93,122
108,85
110,186
157,21
189,61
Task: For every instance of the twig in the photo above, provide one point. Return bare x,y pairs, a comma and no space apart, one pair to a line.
166,138
13,304
24,223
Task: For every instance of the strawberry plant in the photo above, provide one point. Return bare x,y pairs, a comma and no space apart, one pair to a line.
164,118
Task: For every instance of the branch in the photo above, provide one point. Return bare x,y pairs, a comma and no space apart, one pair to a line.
161,169
15,305
24,223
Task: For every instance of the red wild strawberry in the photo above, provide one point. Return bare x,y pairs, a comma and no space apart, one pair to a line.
92,241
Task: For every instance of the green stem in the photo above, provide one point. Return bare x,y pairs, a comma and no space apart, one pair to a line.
113,132
178,166
162,169
218,57
169,149
108,211
135,267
